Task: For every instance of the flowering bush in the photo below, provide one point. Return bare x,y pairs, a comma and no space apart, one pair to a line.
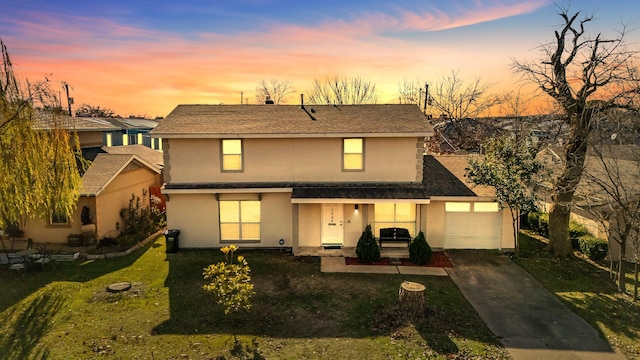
230,282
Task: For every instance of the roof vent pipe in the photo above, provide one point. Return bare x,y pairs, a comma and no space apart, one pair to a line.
301,101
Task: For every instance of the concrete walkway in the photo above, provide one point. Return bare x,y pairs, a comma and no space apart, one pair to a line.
531,322
335,264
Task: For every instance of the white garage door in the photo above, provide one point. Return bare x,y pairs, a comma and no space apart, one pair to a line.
472,226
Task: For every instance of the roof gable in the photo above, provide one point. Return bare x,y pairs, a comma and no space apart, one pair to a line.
151,156
106,167
293,120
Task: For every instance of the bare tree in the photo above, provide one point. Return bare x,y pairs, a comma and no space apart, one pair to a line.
91,110
411,92
576,68
342,91
514,106
610,190
455,99
459,104
274,90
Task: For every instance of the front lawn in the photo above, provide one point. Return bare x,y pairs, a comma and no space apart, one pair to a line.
586,288
298,312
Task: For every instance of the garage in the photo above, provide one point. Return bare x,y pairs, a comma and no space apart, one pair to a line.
472,225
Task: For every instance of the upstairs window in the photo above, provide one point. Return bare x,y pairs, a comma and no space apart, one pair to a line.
353,154
232,155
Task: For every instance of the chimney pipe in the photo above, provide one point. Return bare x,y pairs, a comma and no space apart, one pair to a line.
301,101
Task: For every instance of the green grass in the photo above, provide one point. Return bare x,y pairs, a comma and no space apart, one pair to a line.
298,313
586,288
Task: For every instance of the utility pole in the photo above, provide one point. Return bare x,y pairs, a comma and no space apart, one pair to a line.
69,99
426,97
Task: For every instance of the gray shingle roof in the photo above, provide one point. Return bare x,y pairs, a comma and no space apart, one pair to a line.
292,120
104,169
445,176
151,156
49,120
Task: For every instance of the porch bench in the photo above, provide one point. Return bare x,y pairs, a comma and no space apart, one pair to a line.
395,235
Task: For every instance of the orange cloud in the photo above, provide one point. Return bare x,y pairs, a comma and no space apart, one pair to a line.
139,71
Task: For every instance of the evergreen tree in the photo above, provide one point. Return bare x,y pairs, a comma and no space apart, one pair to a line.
367,248
419,250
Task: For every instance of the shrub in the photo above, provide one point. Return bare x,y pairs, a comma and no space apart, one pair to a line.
419,250
543,225
230,282
594,248
533,220
524,220
367,248
139,219
576,231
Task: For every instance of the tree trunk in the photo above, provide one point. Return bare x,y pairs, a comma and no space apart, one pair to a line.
635,283
622,268
559,242
515,224
412,302
575,153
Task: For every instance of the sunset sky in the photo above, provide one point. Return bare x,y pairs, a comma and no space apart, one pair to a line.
146,57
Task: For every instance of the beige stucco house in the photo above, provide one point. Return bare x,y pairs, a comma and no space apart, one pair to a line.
312,177
113,176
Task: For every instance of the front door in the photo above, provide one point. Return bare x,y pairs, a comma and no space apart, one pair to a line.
332,230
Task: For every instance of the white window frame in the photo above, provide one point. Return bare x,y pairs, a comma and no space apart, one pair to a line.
223,155
52,223
240,222
345,154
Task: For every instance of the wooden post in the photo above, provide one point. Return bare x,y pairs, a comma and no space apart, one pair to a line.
412,302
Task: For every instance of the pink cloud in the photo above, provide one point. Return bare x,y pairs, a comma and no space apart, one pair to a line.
138,71
483,11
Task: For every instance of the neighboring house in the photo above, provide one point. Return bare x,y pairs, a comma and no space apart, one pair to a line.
107,187
590,199
313,177
92,131
133,131
106,131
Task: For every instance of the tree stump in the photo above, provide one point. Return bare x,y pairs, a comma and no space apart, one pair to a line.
412,301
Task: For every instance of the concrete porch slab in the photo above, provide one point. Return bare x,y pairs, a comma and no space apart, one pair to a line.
333,264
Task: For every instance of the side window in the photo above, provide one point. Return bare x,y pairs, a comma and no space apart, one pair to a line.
231,155
353,154
58,219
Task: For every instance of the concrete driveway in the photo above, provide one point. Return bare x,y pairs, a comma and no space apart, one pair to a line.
530,322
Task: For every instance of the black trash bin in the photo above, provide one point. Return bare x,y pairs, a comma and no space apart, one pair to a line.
171,237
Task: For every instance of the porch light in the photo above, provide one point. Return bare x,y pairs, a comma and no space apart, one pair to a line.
356,207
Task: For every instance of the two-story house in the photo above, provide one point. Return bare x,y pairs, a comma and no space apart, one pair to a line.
305,177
